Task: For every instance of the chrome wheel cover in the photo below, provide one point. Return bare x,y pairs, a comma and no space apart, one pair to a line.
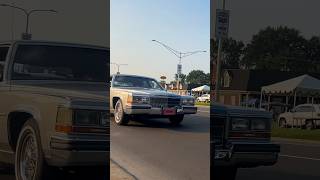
28,159
118,112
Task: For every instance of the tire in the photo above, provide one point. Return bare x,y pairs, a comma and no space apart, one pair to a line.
309,125
282,123
176,120
29,154
225,173
119,115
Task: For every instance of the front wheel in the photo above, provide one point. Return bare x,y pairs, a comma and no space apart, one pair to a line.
29,160
119,115
176,120
282,123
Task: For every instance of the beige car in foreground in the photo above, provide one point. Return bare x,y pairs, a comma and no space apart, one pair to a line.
133,96
54,109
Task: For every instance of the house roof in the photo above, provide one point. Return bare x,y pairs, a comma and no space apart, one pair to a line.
253,80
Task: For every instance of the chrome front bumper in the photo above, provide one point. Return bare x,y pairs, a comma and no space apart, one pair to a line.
148,110
78,151
247,155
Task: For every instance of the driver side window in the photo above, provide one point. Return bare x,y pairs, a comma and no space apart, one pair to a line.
3,55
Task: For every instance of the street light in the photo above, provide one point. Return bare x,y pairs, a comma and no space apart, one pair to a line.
118,66
26,35
180,55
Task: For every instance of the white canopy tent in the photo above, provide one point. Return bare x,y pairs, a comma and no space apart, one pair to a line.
203,88
301,85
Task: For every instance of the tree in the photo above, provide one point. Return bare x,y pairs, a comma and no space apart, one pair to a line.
279,48
198,77
313,53
232,51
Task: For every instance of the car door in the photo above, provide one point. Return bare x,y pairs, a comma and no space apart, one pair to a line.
298,114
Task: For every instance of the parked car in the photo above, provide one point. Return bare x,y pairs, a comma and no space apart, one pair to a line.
132,96
204,98
304,115
54,109
240,138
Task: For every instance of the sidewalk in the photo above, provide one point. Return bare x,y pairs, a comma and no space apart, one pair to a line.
118,173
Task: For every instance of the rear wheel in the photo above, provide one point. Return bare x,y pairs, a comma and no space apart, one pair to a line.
309,124
119,115
176,120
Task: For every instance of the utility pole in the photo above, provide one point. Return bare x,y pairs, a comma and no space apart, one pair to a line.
218,72
118,66
26,35
180,55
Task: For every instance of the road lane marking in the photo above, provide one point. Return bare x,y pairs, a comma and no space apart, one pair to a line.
299,157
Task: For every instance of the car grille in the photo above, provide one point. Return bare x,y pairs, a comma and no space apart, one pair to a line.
159,102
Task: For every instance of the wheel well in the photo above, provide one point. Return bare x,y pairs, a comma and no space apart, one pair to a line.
114,101
16,121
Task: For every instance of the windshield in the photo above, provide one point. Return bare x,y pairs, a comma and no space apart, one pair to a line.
48,62
137,82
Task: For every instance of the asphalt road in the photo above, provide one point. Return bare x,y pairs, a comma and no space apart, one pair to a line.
297,161
153,149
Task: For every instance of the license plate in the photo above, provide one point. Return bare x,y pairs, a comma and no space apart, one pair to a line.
169,111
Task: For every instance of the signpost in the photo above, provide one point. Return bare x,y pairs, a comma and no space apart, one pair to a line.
222,23
222,29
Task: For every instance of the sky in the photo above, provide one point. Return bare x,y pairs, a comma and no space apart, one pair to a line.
247,17
182,24
77,21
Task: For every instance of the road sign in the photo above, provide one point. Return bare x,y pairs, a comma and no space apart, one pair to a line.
179,69
222,23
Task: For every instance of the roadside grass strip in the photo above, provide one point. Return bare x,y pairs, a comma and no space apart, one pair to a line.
202,104
296,133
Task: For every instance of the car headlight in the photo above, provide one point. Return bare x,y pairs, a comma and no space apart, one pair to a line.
187,101
71,120
138,99
240,124
87,117
258,124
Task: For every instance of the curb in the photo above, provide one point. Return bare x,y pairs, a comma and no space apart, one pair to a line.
118,172
295,140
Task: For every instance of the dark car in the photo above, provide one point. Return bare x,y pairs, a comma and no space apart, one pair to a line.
240,138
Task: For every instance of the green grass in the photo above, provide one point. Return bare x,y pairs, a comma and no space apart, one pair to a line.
296,133
202,104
